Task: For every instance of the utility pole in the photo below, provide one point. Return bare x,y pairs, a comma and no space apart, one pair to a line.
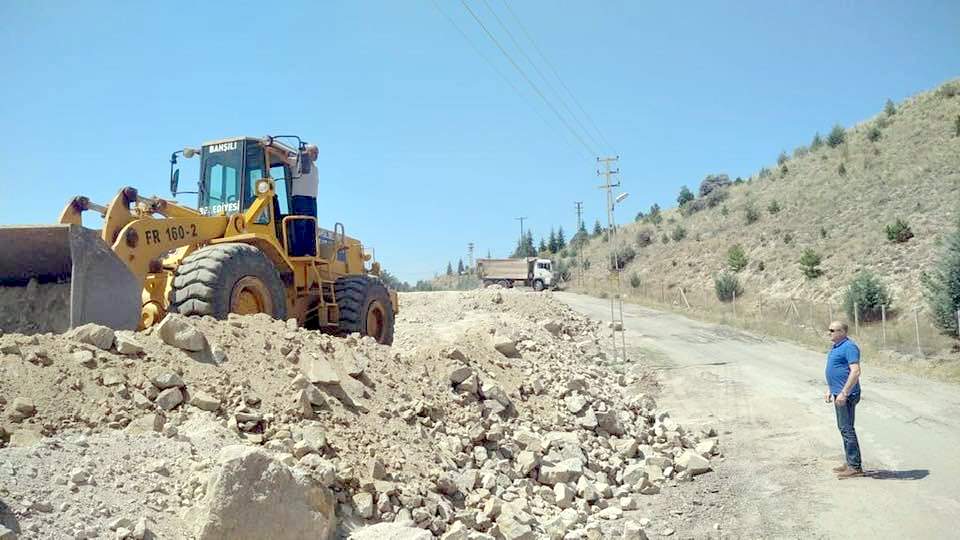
576,231
616,300
520,245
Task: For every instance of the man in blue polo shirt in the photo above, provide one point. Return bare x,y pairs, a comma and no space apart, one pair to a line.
843,387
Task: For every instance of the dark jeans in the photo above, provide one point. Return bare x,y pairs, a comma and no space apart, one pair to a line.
845,416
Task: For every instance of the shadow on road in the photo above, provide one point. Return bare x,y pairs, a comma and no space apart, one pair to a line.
8,519
912,474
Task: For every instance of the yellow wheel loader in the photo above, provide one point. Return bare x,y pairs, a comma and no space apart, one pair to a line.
252,245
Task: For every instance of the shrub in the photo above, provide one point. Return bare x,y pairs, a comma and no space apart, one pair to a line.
890,108
716,197
764,172
873,134
760,266
784,170
644,237
810,263
899,231
640,216
685,196
823,233
956,127
679,233
787,238
737,258
949,90
653,216
623,256
724,211
751,214
634,280
837,136
727,286
694,206
842,169
865,295
942,286
782,158
713,182
773,207
817,142
665,239
800,151
697,237
586,264
738,181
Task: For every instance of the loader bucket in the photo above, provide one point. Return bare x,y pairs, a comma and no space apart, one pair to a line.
57,277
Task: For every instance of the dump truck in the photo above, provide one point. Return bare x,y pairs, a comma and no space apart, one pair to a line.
529,271
251,245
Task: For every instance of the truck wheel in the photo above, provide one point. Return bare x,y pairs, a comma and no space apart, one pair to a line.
506,283
228,278
365,307
538,285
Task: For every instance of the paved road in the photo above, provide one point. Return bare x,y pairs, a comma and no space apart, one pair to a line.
783,439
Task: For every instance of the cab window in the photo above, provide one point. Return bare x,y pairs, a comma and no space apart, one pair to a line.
280,179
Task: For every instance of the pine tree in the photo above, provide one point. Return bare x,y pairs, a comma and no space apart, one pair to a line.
561,241
597,229
488,254
552,243
685,196
543,245
460,267
449,269
529,249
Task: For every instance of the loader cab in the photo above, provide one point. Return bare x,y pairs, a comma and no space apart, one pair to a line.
229,171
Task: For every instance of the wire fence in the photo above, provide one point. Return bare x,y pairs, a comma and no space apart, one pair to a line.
906,330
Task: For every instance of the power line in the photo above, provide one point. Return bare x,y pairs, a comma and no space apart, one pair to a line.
540,73
557,75
523,74
493,66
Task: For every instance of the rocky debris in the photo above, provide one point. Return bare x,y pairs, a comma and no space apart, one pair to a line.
251,495
169,398
205,401
127,344
441,434
21,409
175,330
100,337
390,531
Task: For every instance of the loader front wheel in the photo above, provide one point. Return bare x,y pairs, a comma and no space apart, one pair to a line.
365,307
227,278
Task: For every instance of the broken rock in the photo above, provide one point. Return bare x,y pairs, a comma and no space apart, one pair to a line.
176,330
100,337
251,496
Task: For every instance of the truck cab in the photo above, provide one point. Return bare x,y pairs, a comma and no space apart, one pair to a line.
543,277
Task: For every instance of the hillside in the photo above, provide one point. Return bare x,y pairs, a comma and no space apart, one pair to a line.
904,165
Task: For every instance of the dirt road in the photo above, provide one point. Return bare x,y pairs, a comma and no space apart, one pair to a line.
783,439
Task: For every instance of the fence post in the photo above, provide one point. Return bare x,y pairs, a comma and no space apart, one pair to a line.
883,324
856,317
916,326
734,304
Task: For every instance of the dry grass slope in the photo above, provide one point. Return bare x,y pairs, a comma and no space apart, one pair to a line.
911,172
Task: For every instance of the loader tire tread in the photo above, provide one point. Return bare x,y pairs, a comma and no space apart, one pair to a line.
355,294
204,281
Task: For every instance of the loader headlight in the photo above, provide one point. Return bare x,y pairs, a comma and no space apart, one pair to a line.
263,186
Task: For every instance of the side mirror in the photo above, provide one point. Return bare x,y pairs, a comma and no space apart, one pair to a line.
304,163
174,182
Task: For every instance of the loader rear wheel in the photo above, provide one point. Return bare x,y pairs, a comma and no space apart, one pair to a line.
227,278
365,307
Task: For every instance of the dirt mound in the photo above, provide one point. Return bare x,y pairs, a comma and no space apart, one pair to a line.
495,413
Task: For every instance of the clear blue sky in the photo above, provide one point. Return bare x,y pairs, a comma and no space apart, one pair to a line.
423,146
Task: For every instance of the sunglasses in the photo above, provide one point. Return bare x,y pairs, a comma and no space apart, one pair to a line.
832,330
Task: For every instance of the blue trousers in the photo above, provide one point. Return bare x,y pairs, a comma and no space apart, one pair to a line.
845,418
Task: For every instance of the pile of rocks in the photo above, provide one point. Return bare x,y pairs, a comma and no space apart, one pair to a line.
494,415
